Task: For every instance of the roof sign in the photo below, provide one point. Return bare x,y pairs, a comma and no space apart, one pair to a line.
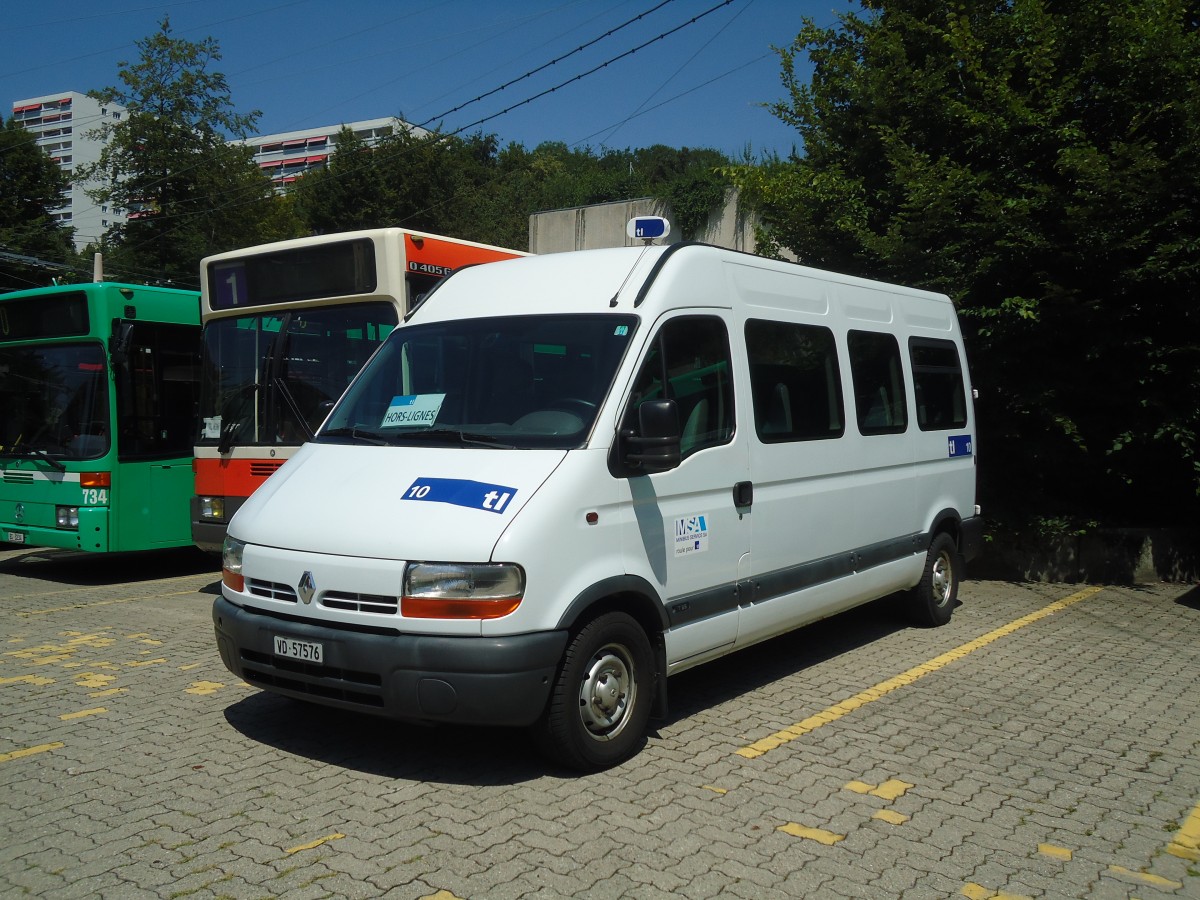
648,228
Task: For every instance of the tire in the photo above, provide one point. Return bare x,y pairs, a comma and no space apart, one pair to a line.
600,702
932,601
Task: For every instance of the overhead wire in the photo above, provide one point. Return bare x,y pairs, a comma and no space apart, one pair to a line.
437,136
675,74
239,194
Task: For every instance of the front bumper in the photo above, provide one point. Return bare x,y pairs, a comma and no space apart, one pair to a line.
412,677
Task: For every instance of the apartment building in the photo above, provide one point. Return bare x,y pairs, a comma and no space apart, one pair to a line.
65,125
288,155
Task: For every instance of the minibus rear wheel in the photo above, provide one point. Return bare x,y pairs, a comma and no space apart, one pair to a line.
600,701
932,601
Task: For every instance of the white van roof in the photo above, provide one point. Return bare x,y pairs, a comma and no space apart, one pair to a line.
645,280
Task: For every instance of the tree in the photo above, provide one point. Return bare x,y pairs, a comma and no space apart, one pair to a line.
31,186
468,187
1039,162
187,192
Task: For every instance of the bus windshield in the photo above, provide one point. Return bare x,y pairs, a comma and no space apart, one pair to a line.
272,378
54,400
519,381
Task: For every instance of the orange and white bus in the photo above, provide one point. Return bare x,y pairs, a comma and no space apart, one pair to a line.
286,327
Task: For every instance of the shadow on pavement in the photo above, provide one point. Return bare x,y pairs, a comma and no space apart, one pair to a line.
757,666
444,754
450,754
1191,599
86,569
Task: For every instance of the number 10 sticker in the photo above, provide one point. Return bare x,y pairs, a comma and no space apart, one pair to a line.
493,498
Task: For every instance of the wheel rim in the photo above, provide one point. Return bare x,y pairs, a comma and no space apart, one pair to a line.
942,579
607,692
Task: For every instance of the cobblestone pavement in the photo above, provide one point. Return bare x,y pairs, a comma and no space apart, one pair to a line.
1046,743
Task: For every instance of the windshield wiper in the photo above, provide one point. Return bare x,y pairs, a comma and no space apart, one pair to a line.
14,453
357,434
284,391
465,437
230,428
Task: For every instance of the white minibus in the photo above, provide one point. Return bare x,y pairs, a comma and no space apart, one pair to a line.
565,478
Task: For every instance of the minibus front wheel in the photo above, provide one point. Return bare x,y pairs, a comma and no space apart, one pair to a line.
601,699
933,599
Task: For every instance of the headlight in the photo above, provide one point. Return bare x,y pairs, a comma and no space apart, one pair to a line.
67,517
212,507
231,563
461,590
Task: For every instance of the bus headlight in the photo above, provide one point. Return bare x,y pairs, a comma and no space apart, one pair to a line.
66,517
231,564
212,507
461,590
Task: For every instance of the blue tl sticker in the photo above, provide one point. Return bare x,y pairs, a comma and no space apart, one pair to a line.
493,498
960,445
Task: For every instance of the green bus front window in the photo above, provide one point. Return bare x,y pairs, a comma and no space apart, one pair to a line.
55,401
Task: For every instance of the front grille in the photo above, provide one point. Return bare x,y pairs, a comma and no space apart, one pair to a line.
380,604
264,469
18,478
272,590
346,685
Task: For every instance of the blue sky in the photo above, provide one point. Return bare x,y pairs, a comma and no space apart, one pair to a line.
308,63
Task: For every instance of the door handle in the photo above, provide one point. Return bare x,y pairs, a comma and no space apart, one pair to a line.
743,494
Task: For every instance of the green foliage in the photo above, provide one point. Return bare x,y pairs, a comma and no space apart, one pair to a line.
1039,162
30,187
187,191
471,188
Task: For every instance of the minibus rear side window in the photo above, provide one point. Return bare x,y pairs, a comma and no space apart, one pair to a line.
795,381
938,382
879,399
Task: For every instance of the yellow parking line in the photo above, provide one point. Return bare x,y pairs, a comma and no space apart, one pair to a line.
99,710
317,843
838,710
1146,878
1186,843
29,751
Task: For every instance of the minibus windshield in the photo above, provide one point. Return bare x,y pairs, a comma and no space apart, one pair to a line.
54,400
504,382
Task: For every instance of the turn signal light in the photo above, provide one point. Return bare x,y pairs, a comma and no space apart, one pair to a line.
95,479
441,608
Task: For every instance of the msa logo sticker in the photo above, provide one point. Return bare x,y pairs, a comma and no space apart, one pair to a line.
960,445
412,409
691,535
458,492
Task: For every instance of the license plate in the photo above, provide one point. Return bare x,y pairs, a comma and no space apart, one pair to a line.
15,537
308,651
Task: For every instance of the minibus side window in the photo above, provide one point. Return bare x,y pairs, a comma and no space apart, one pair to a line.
938,382
689,362
795,381
879,399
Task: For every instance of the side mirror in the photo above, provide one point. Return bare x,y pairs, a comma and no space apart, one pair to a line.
118,343
654,447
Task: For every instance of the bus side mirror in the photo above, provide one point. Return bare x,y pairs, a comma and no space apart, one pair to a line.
119,342
654,447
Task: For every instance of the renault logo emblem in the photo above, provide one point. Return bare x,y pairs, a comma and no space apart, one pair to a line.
307,587
19,512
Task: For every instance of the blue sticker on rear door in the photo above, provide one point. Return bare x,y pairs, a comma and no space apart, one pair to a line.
960,445
493,498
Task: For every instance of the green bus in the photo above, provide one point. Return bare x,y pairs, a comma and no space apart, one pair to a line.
98,391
